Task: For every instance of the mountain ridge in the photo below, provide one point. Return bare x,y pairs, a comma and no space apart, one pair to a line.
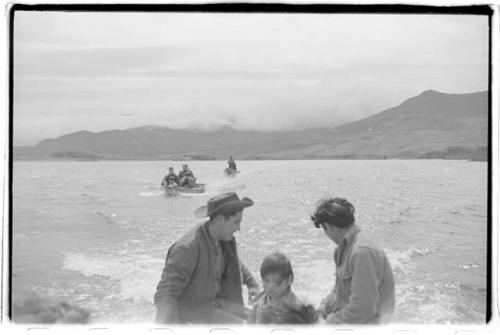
429,125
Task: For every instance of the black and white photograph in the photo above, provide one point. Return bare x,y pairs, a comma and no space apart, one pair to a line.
250,165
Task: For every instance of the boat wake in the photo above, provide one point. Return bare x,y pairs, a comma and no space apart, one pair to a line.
150,194
136,274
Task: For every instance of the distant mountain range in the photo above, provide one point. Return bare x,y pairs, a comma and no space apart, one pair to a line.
430,125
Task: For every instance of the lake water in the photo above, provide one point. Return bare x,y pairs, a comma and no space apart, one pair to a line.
96,233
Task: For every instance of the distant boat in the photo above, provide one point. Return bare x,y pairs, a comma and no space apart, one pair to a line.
172,191
230,172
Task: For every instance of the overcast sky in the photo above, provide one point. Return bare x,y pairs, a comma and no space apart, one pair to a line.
97,71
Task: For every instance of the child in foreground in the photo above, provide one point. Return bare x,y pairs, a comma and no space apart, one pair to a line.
277,303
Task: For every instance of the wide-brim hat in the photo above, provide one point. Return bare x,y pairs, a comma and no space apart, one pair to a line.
223,204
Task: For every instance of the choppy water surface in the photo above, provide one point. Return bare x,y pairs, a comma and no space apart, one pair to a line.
96,233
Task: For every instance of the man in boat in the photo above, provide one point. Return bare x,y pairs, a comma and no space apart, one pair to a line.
170,179
231,163
201,281
364,284
186,177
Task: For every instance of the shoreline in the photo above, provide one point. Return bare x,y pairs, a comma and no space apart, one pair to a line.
467,159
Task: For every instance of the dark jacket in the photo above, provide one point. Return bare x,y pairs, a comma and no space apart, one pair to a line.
232,164
187,173
364,287
187,291
257,314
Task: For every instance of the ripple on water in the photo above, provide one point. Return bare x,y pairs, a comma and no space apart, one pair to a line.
120,285
94,198
136,274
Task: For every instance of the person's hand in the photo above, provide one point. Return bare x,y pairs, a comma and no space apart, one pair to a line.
321,320
322,308
252,293
331,319
326,305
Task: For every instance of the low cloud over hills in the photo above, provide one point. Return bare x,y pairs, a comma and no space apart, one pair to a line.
430,125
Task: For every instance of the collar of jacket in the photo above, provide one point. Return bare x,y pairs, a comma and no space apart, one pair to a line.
348,238
210,239
288,298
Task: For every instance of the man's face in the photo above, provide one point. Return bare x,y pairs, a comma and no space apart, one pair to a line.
275,286
332,232
184,167
231,225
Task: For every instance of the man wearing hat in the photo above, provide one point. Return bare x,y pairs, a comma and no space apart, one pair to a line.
364,282
201,281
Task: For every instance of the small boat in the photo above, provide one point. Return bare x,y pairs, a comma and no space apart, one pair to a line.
172,191
230,172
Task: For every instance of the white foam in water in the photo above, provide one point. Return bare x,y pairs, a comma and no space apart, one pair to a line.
434,306
137,275
150,194
219,184
109,218
193,195
401,260
314,280
420,301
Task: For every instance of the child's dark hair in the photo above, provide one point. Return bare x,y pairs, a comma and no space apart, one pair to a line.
276,263
333,211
